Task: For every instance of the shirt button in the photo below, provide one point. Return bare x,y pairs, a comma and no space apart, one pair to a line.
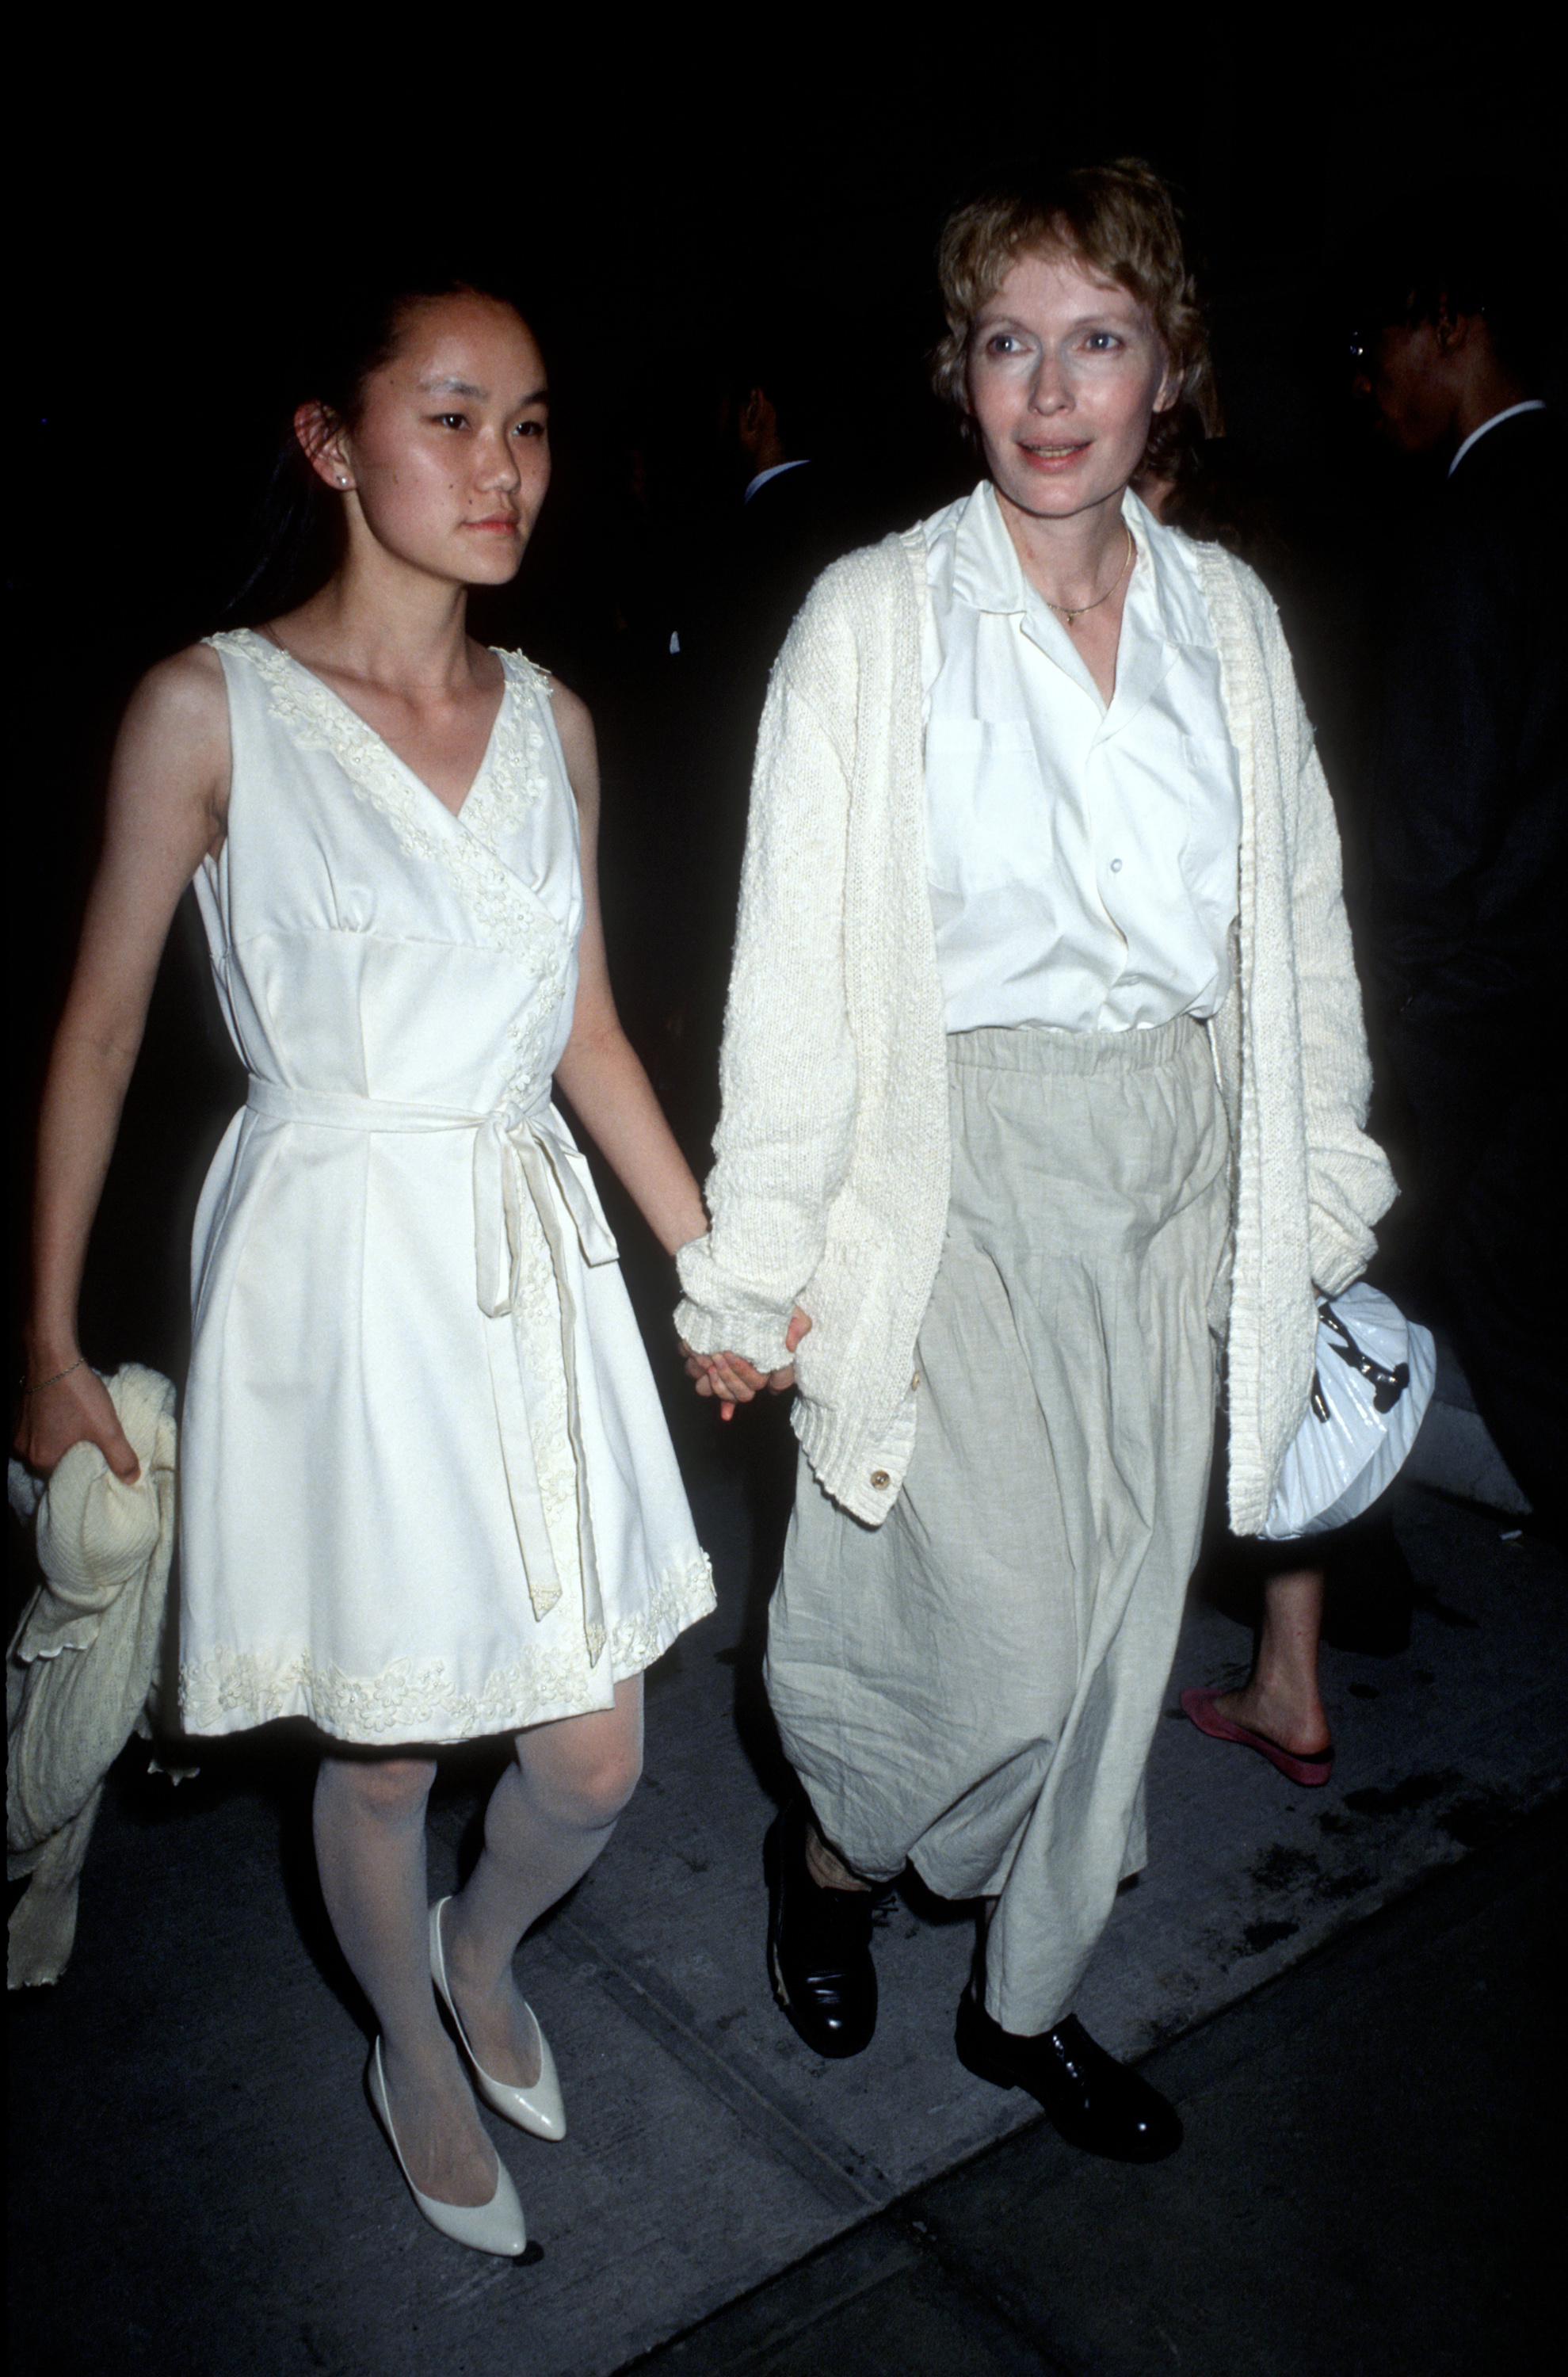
880,1480
1115,866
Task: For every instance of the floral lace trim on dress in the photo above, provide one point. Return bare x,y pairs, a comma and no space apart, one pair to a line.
517,774
417,1699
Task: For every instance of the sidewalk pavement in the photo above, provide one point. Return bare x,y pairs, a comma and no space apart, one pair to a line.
1370,2184
199,2189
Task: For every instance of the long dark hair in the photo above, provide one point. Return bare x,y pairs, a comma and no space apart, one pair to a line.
337,346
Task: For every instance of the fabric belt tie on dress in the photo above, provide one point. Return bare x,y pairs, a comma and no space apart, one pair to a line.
514,1151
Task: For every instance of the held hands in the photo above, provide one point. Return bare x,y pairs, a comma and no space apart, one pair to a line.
72,1409
732,1380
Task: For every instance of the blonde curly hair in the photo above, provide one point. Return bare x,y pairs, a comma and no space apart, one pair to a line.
1120,219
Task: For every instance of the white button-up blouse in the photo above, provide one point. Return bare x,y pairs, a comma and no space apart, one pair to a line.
1083,857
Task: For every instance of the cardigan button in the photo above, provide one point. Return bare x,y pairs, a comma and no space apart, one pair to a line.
915,1379
880,1480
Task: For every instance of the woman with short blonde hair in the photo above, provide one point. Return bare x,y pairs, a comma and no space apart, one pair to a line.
1120,219
1044,1079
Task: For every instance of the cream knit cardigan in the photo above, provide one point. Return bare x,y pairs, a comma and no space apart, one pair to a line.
830,1185
81,1674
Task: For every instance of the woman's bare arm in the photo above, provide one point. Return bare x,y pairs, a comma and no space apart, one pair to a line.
603,1077
167,801
599,1070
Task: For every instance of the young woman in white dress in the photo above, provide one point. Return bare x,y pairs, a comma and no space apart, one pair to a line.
426,1491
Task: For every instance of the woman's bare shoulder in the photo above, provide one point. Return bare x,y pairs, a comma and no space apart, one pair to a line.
572,713
173,746
182,697
574,725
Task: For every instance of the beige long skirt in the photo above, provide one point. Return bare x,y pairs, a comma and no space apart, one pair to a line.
972,1685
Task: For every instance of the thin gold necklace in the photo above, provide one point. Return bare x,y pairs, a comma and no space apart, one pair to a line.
1071,617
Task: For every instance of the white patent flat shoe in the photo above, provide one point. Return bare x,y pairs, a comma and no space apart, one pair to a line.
538,2108
494,2227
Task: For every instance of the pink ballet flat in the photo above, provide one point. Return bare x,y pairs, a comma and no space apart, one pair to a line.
1198,1704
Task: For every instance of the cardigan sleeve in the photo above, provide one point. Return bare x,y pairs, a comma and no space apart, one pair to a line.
787,1073
1349,1184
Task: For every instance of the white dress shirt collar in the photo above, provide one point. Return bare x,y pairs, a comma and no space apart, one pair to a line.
1082,858
1530,404
1164,608
777,471
986,571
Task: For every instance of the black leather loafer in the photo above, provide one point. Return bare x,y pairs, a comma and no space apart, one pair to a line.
819,1945
1095,2101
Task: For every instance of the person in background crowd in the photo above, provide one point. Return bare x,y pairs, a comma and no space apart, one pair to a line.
1279,1711
784,512
786,529
1043,1073
1470,772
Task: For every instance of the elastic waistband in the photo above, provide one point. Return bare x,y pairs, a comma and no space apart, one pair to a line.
1041,1049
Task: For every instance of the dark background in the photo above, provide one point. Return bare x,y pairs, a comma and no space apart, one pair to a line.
177,211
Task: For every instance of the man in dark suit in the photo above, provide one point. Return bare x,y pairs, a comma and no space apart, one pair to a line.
787,512
1467,827
793,517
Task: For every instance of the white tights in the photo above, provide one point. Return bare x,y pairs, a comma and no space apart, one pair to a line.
549,1816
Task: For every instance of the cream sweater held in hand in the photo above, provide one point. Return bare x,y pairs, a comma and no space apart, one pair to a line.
82,1668
830,1186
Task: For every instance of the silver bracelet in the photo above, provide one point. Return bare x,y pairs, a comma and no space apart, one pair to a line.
42,1383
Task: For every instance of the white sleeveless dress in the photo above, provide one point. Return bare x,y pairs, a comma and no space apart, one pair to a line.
426,1488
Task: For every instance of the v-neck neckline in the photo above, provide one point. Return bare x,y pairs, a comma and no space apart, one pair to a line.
397,761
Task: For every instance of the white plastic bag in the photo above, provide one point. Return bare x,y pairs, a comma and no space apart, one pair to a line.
1374,1380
